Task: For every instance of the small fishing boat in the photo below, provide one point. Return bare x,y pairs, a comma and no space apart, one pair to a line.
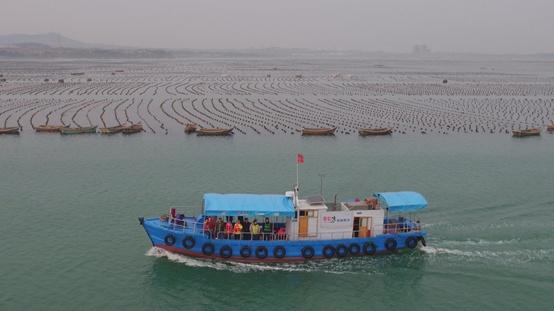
550,127
214,131
291,229
190,128
526,132
375,131
9,130
78,130
318,131
49,128
111,130
132,129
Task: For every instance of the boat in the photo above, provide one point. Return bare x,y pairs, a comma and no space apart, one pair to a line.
375,131
78,130
49,128
111,130
292,229
214,131
132,129
318,131
9,130
550,127
526,132
190,128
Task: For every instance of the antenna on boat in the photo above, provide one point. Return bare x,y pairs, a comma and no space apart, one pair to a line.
321,177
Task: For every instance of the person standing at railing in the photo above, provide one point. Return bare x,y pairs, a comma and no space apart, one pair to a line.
267,229
246,229
237,229
255,230
219,228
228,228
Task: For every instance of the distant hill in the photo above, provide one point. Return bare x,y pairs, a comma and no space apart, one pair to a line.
51,39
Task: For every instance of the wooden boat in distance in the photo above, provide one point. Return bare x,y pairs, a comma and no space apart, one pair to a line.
375,131
318,131
111,130
132,129
527,132
49,128
190,128
78,130
214,132
9,130
550,127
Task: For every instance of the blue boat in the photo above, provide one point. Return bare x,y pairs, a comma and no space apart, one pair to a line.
290,229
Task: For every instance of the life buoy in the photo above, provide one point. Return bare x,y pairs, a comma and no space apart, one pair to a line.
369,248
226,251
245,251
261,252
279,252
189,242
329,251
308,252
354,249
208,249
342,251
390,244
411,242
169,240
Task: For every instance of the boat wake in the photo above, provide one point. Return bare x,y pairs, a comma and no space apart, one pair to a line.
501,256
238,267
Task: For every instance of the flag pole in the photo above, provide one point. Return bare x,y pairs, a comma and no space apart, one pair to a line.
297,174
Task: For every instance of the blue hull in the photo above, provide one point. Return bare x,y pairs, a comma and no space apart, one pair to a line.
187,242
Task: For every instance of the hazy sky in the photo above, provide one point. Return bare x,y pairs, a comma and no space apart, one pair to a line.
488,26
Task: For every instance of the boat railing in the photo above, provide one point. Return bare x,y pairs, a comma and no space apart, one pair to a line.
191,226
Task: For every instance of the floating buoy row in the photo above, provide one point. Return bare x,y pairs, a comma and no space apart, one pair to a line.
289,98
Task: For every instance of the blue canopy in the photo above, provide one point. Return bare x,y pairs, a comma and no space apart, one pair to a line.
406,201
216,204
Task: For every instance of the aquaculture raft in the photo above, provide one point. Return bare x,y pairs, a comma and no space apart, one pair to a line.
298,230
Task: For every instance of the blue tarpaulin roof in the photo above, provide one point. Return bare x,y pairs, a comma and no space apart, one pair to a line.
216,204
405,201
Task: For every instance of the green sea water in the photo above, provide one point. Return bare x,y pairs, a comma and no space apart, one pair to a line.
71,239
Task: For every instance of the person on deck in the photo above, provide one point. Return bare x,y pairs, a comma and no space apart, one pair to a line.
228,228
237,229
219,228
267,230
246,229
255,230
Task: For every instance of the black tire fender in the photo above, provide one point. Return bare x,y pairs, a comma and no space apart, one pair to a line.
208,249
354,249
308,252
411,242
189,242
279,252
226,251
169,240
245,251
261,252
369,248
342,251
391,244
329,251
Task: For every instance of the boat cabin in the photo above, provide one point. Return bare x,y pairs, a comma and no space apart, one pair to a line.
312,218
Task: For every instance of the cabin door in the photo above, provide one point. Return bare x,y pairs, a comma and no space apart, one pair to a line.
303,224
362,226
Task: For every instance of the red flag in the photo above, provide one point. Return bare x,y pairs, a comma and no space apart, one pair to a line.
299,158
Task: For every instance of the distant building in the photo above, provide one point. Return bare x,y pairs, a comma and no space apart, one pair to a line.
421,49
